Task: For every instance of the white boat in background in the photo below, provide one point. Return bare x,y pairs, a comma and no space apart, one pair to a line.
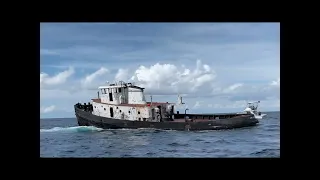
252,108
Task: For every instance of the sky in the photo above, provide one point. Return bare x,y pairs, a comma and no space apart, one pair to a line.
216,67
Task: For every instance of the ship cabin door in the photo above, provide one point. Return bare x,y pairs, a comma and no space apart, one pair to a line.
110,96
171,112
160,113
111,112
152,114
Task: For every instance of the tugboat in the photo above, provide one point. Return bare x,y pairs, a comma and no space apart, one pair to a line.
123,105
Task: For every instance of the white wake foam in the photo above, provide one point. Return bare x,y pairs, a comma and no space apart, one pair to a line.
72,129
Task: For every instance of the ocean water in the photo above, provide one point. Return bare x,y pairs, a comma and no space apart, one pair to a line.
64,138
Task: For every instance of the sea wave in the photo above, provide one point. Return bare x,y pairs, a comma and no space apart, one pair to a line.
72,129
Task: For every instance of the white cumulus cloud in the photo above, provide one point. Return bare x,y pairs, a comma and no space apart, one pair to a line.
47,109
276,83
92,80
122,75
60,78
169,78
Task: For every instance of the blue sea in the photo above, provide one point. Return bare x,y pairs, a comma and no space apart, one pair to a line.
62,137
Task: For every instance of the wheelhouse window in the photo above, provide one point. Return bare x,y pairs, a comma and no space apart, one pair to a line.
103,91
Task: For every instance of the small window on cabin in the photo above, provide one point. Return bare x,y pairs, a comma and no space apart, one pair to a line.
144,119
129,112
104,108
117,108
120,110
138,112
119,90
115,90
94,106
139,119
102,91
105,91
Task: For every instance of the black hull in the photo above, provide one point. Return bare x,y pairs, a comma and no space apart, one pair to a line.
86,118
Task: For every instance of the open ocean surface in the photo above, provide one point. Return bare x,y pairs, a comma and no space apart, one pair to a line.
64,138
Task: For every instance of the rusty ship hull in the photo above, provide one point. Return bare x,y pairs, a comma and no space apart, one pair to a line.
192,123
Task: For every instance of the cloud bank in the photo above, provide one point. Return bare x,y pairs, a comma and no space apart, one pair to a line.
163,80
